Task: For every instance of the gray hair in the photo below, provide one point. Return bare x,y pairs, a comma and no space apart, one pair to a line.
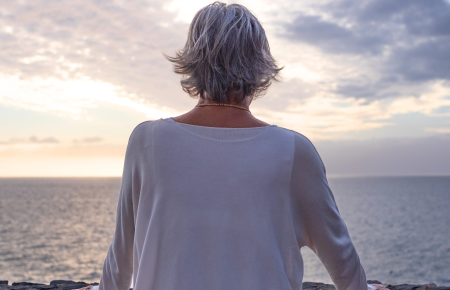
226,49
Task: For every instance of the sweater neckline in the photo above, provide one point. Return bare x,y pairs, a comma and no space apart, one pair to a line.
219,128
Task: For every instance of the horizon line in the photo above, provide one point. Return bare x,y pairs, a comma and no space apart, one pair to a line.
328,176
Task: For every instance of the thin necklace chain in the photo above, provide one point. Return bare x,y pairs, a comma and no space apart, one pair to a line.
224,105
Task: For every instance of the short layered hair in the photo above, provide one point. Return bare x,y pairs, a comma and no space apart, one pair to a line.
226,50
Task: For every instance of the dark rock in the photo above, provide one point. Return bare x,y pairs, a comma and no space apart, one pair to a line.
317,286
373,282
25,284
404,287
43,287
18,287
3,282
416,287
76,285
56,282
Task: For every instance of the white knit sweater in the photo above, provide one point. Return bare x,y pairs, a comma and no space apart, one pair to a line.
206,208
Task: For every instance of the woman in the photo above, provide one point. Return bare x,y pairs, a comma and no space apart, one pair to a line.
216,198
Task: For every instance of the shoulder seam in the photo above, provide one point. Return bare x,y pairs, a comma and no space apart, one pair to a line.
295,132
138,125
309,141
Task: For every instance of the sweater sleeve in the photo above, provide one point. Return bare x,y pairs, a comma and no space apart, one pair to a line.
321,227
118,265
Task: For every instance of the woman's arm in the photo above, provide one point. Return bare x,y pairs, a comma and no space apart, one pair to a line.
118,265
324,230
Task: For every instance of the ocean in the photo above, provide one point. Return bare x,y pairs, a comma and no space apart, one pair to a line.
61,228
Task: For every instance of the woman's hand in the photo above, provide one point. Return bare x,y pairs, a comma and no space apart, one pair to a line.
379,287
85,288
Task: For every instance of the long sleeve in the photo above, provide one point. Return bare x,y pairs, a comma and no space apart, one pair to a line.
118,265
323,228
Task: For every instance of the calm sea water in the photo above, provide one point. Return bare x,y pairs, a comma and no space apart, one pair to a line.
61,228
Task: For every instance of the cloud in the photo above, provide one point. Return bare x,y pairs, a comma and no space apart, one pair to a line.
96,149
89,140
334,38
71,97
323,116
32,139
439,130
68,57
114,42
398,43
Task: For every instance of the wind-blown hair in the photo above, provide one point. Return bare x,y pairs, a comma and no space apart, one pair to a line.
226,50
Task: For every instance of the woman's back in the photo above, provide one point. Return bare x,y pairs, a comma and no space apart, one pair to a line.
219,200
224,208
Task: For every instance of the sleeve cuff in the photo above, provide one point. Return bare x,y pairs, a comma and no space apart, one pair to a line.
96,288
369,287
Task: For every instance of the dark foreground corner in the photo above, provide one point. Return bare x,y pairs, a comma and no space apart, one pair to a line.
69,285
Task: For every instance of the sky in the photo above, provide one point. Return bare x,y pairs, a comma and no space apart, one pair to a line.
367,81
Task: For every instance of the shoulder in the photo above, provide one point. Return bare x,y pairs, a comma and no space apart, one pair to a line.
141,133
142,127
302,143
305,153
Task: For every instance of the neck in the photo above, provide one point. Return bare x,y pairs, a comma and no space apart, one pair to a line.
233,100
219,116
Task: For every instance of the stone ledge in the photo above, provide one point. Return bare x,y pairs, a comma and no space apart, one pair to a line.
70,285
